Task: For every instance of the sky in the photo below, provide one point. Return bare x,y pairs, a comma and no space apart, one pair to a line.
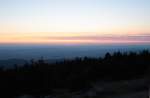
74,21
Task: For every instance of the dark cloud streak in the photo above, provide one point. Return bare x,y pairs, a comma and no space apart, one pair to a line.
97,38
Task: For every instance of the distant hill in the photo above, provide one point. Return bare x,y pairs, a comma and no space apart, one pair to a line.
9,63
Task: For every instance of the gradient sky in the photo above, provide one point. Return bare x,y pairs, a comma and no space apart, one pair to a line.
74,21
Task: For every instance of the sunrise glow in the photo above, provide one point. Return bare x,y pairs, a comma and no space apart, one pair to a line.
74,21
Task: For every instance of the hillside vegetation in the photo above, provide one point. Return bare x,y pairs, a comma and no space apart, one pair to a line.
39,78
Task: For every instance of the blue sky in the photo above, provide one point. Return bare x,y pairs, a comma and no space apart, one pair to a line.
74,17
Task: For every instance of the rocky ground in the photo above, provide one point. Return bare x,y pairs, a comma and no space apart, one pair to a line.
121,89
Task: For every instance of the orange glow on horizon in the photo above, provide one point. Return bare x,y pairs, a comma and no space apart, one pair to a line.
18,39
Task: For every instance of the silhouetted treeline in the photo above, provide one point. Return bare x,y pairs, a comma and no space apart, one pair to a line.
41,78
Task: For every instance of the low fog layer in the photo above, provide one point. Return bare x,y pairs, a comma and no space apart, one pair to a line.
62,51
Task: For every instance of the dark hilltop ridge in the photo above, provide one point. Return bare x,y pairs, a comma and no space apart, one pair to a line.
39,78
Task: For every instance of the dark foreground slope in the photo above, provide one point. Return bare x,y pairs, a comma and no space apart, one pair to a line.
79,75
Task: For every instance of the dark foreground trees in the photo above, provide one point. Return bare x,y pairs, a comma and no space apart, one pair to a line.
40,78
